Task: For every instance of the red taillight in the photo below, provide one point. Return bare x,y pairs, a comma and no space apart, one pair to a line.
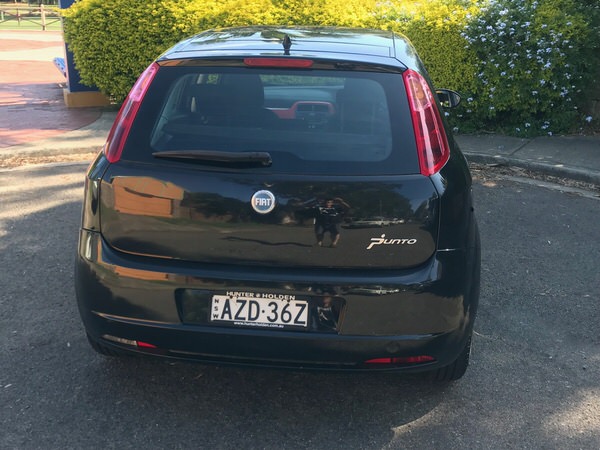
279,62
432,143
402,360
120,129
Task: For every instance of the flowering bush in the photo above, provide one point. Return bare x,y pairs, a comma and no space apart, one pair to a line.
535,61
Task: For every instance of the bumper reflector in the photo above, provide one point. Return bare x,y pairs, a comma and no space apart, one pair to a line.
130,342
402,360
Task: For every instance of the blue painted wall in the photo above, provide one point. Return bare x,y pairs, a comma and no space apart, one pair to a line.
73,78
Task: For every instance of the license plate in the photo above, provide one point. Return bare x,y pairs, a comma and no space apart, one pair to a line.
260,310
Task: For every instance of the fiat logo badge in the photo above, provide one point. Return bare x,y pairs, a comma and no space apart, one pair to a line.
263,202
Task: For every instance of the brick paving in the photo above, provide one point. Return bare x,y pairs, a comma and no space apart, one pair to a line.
31,89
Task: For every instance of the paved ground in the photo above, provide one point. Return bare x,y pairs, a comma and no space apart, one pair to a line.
31,89
576,157
534,380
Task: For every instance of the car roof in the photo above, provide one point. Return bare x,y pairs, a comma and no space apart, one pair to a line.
337,44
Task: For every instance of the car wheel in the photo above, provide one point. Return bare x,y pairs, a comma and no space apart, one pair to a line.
101,348
455,370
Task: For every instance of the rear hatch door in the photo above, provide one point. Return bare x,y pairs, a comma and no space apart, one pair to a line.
346,222
272,167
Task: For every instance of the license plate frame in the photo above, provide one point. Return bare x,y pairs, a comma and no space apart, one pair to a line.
260,309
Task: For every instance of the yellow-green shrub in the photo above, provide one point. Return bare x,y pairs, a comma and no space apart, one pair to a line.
341,13
114,40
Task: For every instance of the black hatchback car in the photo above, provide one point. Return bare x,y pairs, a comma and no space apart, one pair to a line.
287,197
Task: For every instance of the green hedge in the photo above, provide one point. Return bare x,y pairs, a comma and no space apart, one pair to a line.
114,40
460,41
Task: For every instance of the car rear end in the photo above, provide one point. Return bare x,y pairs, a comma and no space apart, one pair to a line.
293,207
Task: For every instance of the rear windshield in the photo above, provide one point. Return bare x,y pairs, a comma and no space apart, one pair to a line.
318,121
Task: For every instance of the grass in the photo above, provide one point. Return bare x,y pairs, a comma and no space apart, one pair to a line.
31,25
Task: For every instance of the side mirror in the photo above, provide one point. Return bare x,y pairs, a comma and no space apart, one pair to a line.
448,98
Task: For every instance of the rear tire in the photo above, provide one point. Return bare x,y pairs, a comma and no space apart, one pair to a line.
102,349
455,370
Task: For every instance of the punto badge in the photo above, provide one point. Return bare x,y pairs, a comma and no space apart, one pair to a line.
263,202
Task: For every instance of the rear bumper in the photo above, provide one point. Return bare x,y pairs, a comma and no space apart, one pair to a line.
428,310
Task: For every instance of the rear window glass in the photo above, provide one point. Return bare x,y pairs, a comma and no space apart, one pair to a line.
308,121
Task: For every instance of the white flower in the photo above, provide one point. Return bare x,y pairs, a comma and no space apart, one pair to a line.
527,124
588,119
549,133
